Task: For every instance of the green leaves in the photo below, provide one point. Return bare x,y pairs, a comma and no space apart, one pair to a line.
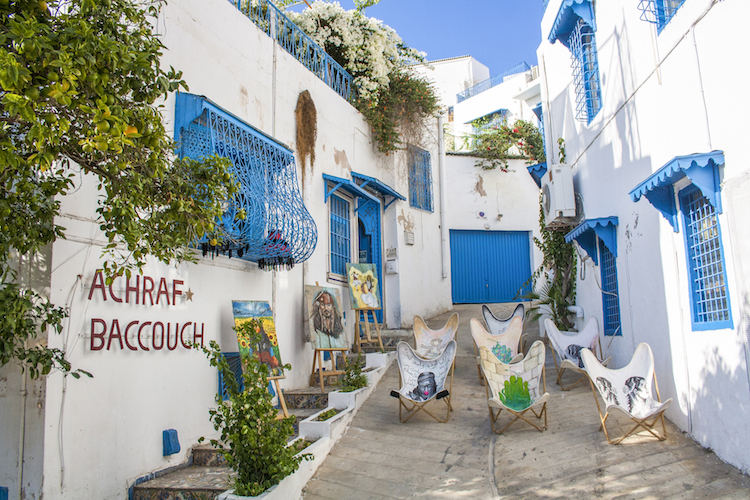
77,87
492,145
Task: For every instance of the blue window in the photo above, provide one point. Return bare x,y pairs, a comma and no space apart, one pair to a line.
610,298
420,179
574,27
709,297
585,66
340,235
659,12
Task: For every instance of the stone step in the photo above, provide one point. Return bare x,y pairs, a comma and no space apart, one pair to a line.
191,482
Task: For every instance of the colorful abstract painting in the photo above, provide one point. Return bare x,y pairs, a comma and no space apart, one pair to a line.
363,286
323,311
267,350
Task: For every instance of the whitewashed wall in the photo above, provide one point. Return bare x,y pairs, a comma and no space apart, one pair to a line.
651,115
92,438
454,75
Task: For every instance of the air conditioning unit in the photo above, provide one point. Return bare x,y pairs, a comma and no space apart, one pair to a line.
558,196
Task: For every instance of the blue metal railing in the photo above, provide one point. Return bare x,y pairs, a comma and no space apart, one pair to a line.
544,5
278,26
491,82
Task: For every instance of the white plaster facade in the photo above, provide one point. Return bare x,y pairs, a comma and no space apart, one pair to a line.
92,438
674,93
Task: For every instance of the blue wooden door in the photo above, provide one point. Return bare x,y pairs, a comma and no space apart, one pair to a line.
370,230
489,266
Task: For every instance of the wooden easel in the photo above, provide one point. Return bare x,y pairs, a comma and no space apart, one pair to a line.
284,412
358,329
318,358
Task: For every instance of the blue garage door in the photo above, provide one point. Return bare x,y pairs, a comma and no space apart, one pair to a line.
489,266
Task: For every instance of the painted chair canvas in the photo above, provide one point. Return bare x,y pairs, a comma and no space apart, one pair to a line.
495,325
516,387
422,381
567,347
429,343
504,345
628,391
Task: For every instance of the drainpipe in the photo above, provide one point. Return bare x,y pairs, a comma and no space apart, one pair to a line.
441,168
22,430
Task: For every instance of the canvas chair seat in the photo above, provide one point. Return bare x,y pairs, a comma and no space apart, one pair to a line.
428,343
517,387
628,390
567,347
497,326
423,380
504,345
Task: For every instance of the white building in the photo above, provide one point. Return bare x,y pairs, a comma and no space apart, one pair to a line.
650,118
93,438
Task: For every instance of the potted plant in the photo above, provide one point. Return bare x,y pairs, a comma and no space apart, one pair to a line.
352,385
253,440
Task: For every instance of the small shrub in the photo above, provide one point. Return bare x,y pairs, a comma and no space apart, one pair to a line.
253,441
353,378
327,414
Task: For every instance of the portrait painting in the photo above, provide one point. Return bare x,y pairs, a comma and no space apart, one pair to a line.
323,311
363,286
267,349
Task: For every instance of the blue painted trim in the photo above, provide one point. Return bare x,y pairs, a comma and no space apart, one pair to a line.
347,185
657,188
567,17
3,493
708,325
378,186
586,232
537,172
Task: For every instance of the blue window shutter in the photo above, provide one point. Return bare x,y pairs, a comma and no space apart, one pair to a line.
420,179
340,230
709,295
610,295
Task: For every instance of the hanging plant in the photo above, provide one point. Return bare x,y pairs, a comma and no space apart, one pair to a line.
494,145
307,128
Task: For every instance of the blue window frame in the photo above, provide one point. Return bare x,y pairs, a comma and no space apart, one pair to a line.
709,297
610,297
585,64
341,243
659,12
420,179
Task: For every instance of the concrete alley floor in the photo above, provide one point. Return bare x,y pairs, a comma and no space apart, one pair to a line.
380,458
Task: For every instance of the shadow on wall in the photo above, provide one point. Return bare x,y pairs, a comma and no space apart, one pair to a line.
721,403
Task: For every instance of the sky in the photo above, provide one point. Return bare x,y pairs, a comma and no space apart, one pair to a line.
497,33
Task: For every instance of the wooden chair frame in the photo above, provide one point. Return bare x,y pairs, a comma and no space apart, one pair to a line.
566,364
647,422
496,407
407,407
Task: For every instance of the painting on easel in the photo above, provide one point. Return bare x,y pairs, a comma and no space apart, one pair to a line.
363,286
267,349
323,306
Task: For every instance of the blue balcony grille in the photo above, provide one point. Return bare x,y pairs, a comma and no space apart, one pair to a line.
341,243
585,64
278,26
420,179
659,12
610,298
490,121
709,296
480,87
278,231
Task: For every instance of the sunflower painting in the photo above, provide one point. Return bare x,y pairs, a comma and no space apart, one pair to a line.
267,350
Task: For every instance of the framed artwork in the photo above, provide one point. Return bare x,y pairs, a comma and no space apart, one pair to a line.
323,310
267,350
363,286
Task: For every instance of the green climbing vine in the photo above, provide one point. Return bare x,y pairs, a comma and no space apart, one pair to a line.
494,145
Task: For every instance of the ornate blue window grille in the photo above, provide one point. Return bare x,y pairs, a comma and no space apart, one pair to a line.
659,12
341,239
420,178
585,66
278,231
278,26
709,296
610,298
235,364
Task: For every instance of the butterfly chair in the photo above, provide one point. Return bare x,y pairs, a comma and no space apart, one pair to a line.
497,326
567,347
516,387
628,390
423,380
429,344
504,345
